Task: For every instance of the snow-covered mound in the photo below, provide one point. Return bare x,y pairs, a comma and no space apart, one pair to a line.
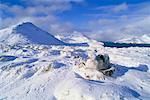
144,39
28,33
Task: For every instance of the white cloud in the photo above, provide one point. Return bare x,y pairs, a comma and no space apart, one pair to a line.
111,23
41,12
134,22
120,7
112,30
113,8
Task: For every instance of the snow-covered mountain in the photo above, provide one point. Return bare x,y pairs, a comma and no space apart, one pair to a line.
136,39
55,72
27,33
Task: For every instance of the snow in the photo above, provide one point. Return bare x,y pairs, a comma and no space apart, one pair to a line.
56,72
28,33
136,39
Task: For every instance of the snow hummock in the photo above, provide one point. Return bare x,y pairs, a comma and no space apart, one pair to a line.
55,72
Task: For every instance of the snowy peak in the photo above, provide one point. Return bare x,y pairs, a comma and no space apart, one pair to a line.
25,24
27,33
33,34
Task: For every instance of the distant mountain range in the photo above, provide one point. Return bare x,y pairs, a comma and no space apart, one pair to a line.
144,39
29,33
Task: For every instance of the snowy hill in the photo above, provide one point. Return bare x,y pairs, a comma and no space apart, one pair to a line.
54,72
136,39
28,33
74,37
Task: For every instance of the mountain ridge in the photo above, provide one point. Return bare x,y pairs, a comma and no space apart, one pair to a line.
27,32
144,39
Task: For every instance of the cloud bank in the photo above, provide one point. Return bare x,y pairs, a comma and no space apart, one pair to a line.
41,12
120,21
108,23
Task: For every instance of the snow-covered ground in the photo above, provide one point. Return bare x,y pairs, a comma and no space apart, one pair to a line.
50,72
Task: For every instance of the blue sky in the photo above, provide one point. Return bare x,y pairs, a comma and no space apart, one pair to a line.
98,19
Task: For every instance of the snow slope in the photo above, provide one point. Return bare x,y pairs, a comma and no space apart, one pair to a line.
28,33
53,72
136,39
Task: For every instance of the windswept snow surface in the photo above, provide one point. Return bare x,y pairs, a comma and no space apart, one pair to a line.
42,72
